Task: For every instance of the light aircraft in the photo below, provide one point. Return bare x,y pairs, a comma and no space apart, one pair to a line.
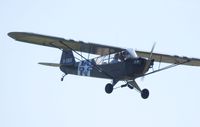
115,63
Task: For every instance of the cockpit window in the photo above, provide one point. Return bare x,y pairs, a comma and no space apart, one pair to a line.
115,58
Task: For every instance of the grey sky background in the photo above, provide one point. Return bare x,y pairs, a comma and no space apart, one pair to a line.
32,95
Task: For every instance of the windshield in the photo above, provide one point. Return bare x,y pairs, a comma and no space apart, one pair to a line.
132,53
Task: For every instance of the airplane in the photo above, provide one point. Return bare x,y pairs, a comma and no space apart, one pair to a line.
110,62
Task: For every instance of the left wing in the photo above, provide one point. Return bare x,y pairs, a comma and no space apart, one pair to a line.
170,58
62,43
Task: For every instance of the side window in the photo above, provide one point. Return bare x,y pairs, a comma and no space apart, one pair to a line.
115,58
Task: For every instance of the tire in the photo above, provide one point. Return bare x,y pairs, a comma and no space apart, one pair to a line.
109,88
145,93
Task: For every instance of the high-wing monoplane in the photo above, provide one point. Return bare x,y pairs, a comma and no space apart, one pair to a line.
109,62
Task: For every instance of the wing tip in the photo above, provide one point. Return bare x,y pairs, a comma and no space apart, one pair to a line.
14,35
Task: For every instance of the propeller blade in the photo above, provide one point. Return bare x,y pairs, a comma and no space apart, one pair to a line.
150,56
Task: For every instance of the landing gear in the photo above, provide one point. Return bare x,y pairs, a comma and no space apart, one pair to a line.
130,84
109,88
63,77
145,93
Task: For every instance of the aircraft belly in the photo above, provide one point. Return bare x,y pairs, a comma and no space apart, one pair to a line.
110,70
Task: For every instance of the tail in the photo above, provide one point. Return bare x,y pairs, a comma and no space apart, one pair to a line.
67,58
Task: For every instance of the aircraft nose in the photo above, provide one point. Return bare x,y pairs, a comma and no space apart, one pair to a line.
152,62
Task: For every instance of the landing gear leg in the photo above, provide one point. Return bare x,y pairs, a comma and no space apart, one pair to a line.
144,93
63,77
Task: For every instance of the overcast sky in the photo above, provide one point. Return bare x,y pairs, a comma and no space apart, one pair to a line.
32,95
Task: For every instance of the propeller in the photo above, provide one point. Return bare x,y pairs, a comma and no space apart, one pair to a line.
152,49
150,56
150,60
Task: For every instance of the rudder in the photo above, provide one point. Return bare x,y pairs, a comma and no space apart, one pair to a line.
67,58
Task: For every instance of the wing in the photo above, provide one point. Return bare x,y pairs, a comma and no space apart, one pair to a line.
62,43
170,58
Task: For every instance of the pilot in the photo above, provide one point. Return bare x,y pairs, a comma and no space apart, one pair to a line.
121,56
126,55
115,59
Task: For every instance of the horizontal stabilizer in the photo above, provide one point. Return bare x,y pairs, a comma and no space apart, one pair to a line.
51,64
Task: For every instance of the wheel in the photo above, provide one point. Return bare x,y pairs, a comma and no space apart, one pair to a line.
145,93
109,88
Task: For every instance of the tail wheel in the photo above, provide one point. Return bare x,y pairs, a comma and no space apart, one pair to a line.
109,88
145,93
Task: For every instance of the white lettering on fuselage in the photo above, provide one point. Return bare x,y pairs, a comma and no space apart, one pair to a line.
68,60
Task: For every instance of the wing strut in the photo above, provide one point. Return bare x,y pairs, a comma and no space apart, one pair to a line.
167,67
96,67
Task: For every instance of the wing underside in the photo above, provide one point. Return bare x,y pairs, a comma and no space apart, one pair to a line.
64,44
174,59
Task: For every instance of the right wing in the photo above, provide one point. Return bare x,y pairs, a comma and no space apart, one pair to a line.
158,57
64,44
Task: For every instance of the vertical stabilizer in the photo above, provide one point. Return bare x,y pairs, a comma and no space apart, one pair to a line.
67,58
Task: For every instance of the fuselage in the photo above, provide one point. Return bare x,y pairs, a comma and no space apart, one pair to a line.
123,70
